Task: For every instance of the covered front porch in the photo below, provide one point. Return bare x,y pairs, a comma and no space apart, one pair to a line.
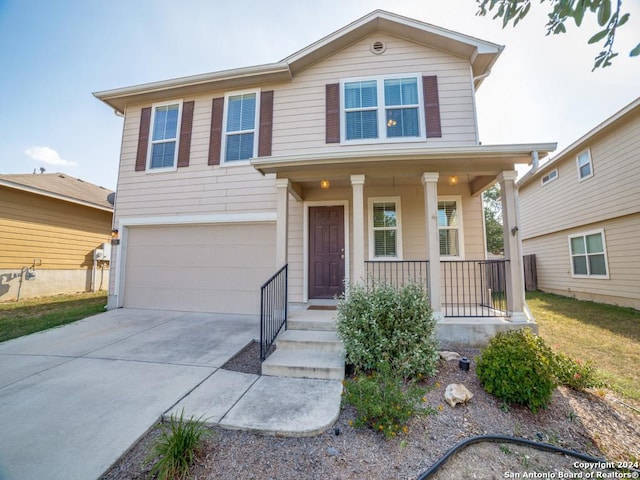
395,217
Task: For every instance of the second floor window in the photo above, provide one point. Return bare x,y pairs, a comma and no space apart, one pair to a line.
382,109
585,168
164,136
240,127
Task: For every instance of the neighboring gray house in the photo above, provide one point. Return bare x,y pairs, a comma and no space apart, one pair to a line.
581,214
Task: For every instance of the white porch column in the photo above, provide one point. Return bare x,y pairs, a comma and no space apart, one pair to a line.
430,185
357,270
282,221
512,248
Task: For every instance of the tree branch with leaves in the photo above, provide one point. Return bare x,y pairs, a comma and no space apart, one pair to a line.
608,14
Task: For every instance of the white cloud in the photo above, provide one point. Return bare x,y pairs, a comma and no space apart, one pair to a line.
49,156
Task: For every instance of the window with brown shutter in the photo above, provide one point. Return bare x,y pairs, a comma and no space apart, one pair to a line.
184,147
431,106
265,131
332,113
215,139
143,139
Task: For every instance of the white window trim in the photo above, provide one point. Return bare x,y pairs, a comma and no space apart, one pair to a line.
372,250
604,249
458,200
380,109
151,143
223,153
588,152
548,178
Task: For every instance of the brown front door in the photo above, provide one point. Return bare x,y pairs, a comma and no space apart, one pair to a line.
326,251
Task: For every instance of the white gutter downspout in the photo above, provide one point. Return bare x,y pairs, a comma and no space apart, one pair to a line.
535,163
481,77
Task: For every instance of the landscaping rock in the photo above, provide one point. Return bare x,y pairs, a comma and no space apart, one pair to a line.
449,356
333,451
456,393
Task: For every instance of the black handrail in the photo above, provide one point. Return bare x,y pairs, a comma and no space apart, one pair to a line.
474,288
273,309
397,273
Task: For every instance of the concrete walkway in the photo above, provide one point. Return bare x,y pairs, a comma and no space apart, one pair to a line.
73,399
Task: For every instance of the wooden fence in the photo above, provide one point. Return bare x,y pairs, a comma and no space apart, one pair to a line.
530,273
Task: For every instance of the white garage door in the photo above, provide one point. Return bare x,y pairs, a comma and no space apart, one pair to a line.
200,268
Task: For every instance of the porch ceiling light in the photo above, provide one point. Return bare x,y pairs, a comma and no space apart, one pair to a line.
324,184
453,180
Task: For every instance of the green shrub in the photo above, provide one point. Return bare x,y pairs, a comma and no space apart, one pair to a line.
383,323
383,401
177,447
574,373
516,368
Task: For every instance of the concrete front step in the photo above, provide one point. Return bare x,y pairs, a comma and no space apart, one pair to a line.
317,340
299,363
324,320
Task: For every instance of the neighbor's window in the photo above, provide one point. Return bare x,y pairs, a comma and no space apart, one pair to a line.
382,109
240,126
588,254
384,234
549,177
585,167
450,227
163,147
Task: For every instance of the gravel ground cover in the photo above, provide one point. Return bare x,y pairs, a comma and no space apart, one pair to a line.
596,423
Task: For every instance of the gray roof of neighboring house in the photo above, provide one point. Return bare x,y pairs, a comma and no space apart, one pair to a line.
63,187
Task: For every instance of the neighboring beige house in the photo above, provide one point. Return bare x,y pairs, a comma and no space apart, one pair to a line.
581,214
358,156
51,226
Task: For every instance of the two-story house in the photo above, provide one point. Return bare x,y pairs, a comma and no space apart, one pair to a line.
355,159
581,214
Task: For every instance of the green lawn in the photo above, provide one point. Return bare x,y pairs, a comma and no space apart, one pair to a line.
29,316
607,335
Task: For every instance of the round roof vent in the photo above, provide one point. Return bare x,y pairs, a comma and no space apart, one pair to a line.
378,47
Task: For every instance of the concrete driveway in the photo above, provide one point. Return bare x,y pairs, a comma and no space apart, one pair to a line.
75,398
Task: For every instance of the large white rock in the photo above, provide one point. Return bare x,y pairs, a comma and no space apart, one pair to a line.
448,356
456,393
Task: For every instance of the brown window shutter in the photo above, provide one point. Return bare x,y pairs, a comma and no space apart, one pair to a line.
431,106
266,124
185,134
333,113
143,140
215,139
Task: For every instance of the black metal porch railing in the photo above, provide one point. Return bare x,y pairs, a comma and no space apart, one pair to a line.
273,310
474,288
397,272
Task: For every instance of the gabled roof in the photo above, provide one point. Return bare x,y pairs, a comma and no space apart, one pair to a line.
612,122
481,55
62,187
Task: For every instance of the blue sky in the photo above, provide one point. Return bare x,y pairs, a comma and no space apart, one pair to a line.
54,54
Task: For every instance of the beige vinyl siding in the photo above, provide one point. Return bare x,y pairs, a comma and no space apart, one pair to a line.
413,226
296,255
299,108
612,191
623,255
298,128
61,234
196,189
